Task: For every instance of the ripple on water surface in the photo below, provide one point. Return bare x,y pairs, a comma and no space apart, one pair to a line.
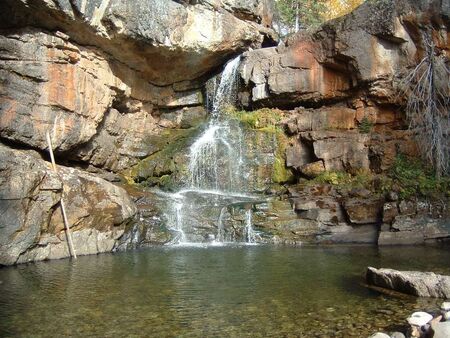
254,291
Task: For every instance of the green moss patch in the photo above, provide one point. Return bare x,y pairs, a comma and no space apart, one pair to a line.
267,120
409,177
259,119
165,167
340,179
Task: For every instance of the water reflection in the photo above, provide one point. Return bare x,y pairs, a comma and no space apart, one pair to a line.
221,291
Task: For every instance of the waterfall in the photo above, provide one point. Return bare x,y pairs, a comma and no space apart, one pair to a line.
179,222
226,93
216,171
220,227
216,157
250,234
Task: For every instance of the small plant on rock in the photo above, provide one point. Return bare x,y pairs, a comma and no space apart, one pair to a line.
413,177
365,126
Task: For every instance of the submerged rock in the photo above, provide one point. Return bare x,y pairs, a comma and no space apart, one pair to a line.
422,284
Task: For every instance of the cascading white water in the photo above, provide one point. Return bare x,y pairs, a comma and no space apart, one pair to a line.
179,222
220,227
215,164
226,92
215,158
250,234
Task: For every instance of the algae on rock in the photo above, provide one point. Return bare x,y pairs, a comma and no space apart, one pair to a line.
167,167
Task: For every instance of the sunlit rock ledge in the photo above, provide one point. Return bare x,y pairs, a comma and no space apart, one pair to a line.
166,41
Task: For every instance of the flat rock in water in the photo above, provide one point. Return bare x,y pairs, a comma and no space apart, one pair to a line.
422,284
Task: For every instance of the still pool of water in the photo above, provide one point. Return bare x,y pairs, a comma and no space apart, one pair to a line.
247,291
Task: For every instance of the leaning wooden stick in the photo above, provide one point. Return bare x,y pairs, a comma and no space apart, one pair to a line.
63,209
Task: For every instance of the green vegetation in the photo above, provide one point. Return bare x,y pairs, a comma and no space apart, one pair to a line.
267,121
281,174
365,126
408,177
263,119
293,15
296,14
344,180
412,177
164,167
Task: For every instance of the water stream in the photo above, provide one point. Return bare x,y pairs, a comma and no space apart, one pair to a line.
215,180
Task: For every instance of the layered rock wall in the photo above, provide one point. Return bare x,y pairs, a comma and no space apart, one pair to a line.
167,41
120,87
344,115
113,82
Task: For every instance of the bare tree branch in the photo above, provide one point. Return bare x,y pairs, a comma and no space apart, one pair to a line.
427,88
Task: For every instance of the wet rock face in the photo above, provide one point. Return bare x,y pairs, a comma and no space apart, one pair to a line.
168,41
31,227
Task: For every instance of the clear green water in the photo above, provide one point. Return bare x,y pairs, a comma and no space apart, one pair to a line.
253,291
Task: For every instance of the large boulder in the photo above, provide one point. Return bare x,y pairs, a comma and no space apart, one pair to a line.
422,284
31,226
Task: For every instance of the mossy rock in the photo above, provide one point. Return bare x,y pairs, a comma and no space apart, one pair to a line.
281,173
166,167
259,119
266,123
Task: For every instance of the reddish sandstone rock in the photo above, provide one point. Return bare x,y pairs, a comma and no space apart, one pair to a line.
367,50
166,41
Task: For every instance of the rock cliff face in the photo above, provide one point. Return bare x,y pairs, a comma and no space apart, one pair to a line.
77,68
340,87
167,41
114,82
120,85
361,54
